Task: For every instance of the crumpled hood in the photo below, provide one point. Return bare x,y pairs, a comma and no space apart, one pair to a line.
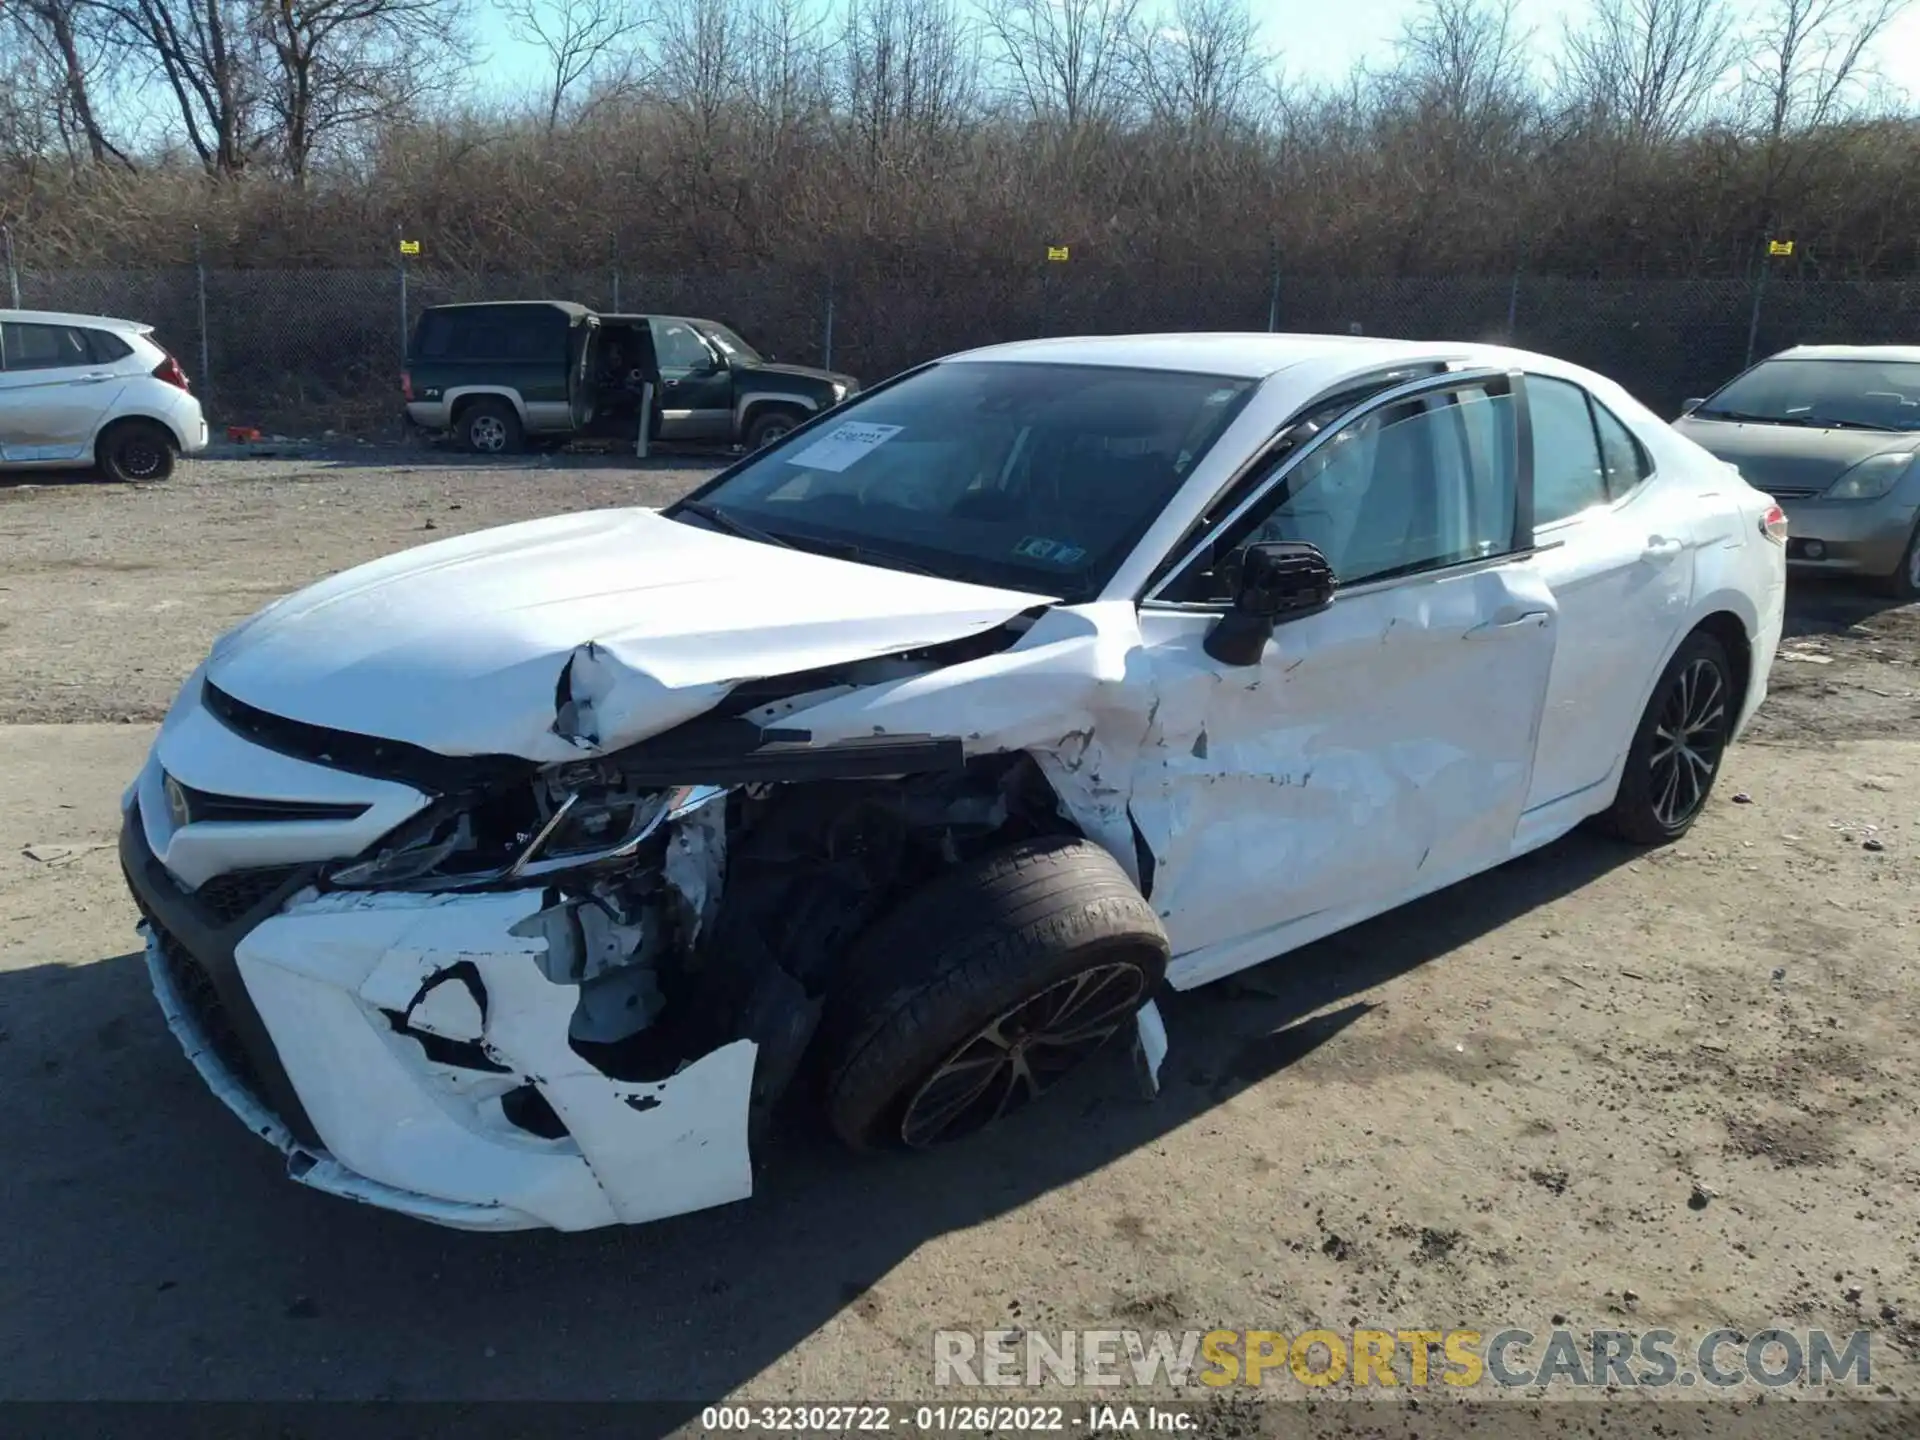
458,646
1790,457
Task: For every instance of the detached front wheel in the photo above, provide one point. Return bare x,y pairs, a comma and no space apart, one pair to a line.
984,989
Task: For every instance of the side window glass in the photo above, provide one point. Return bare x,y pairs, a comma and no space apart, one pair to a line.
534,334
1625,462
105,346
1566,457
1414,486
43,347
679,347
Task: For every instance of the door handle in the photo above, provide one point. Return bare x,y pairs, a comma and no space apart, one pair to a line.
94,379
1508,622
1660,547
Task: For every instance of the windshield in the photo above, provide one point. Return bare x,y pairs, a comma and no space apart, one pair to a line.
1852,394
731,345
1035,477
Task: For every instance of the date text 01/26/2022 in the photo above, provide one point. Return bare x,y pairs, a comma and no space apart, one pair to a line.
945,1419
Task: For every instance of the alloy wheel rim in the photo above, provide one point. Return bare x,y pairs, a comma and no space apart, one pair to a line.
488,433
1021,1053
1687,742
772,433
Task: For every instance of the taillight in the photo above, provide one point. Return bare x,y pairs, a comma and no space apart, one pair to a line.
1773,524
406,386
169,370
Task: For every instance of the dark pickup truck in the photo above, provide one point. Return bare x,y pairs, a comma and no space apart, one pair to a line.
500,375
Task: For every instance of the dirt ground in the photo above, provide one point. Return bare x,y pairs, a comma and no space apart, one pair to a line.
1627,1089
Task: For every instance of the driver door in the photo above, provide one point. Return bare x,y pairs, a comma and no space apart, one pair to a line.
696,387
1381,747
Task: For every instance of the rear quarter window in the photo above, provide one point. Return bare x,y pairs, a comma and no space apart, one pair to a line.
531,334
106,346
1624,458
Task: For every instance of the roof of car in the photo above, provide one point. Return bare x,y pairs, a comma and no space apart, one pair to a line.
571,307
63,317
1908,354
1250,356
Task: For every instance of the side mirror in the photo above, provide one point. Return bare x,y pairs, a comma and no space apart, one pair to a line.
1273,582
1687,407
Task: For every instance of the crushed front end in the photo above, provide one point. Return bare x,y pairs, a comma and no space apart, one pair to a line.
425,1000
498,994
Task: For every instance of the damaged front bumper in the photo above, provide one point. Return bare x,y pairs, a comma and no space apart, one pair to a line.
410,1052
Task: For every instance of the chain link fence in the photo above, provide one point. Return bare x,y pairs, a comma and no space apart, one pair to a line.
308,351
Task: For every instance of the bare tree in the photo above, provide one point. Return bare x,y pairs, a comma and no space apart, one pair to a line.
1068,60
1646,70
701,57
67,34
1464,62
1806,71
206,53
1200,66
906,70
1453,129
784,66
339,65
1809,61
586,43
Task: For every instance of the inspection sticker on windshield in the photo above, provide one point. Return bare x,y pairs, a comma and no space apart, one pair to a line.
1054,552
844,444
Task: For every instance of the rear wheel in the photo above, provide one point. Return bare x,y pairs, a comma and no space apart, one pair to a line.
136,450
1676,753
985,988
490,427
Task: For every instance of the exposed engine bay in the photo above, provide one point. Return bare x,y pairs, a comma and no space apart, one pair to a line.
692,915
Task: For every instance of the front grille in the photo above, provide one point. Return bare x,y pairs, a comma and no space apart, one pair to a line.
225,898
196,990
1791,492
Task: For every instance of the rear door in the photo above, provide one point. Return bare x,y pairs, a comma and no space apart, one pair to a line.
1618,557
1381,747
583,344
536,345
54,393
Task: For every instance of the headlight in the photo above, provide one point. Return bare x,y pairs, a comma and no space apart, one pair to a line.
1872,477
839,392
522,837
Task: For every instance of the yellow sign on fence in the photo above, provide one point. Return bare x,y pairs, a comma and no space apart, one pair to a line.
1056,252
1779,247
409,247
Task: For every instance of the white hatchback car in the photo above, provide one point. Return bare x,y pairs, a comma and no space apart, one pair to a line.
80,390
510,881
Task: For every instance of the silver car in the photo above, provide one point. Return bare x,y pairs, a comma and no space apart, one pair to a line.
1831,432
79,390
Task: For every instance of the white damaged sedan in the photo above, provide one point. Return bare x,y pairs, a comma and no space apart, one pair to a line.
514,880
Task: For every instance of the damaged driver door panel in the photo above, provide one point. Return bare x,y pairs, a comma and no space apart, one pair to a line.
1378,748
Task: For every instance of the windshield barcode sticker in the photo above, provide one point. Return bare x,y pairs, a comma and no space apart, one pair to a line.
844,444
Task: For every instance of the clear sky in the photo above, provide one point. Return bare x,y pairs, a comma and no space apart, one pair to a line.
1318,41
